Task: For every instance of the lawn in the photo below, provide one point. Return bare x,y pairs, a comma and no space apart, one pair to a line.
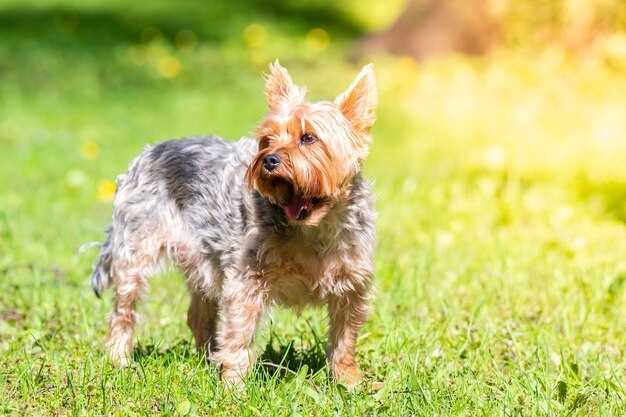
501,189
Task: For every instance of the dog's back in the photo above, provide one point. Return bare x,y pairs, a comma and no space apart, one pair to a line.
200,178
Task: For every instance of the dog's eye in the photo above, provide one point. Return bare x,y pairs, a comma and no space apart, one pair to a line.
264,142
307,139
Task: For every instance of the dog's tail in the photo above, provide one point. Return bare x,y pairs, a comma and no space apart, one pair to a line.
101,275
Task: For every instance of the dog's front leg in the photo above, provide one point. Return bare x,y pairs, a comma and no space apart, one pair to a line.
347,314
243,304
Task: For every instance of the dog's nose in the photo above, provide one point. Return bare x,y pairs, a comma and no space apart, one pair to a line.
271,161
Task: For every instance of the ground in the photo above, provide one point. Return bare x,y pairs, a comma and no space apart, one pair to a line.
500,188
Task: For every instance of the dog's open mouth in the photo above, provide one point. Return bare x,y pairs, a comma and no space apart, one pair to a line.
299,207
294,202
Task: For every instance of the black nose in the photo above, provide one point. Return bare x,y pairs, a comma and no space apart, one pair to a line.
271,161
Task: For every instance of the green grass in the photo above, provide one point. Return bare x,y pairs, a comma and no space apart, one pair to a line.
501,196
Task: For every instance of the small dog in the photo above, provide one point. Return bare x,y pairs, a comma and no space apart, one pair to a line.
288,220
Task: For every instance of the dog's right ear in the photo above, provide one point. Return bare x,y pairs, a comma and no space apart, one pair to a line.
358,102
280,88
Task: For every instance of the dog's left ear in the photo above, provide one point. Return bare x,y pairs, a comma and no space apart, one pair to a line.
358,102
280,88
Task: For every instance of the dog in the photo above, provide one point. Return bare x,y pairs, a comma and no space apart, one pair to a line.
286,219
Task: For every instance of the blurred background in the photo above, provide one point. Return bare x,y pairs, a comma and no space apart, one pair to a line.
495,115
478,91
492,112
499,162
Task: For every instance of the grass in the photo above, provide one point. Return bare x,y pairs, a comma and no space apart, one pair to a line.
500,182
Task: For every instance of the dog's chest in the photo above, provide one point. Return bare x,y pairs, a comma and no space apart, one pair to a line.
305,272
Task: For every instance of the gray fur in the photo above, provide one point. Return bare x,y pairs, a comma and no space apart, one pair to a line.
203,177
186,201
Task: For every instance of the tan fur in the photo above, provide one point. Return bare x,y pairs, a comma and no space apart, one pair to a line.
202,320
317,259
322,169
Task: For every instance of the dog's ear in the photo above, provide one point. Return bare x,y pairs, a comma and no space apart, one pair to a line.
358,102
280,88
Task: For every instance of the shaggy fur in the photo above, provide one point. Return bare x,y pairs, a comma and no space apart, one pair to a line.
288,220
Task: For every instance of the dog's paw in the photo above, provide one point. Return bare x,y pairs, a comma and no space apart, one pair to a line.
349,376
119,361
119,354
232,381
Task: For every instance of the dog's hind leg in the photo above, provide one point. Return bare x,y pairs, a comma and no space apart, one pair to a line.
202,320
129,279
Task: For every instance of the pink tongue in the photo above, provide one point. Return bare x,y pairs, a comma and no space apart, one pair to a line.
295,207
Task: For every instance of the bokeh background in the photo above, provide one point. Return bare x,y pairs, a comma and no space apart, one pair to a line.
533,90
499,162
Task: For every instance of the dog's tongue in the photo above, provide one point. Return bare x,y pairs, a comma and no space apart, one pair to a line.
297,204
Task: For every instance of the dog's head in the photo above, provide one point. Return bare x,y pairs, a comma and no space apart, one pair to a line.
309,152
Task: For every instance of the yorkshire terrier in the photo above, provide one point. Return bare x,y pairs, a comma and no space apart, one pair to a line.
286,219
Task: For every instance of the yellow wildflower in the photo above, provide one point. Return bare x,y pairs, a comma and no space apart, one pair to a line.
105,190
